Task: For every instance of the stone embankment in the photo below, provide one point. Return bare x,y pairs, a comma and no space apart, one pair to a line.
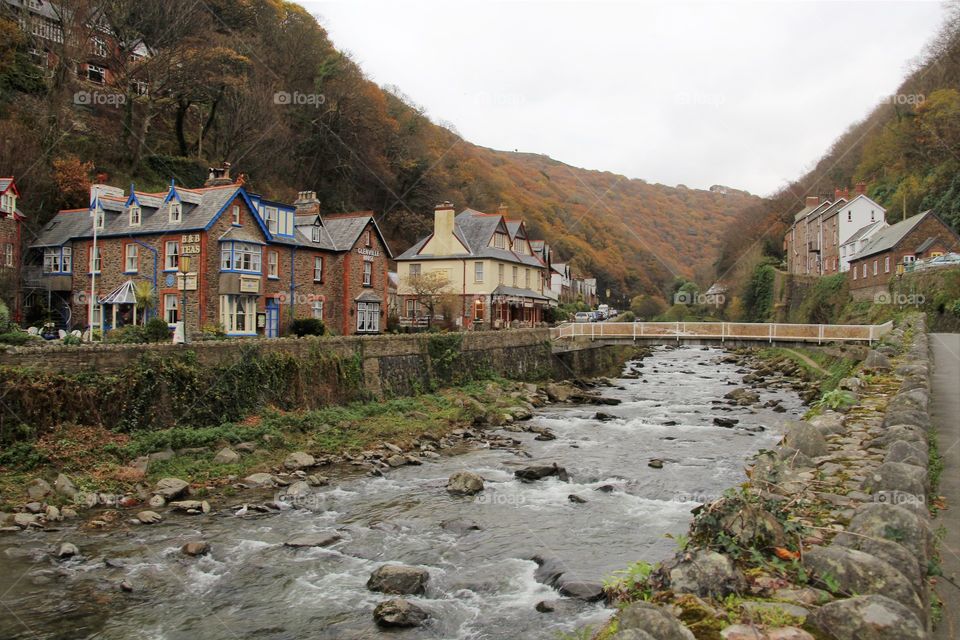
830,538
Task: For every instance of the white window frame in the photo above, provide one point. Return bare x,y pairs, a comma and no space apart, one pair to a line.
135,215
236,215
886,264
315,233
171,259
478,272
273,264
368,317
500,273
131,253
99,219
270,218
96,260
235,307
318,268
99,47
171,306
175,211
854,272
96,69
876,266
8,254
317,309
367,273
415,269
864,273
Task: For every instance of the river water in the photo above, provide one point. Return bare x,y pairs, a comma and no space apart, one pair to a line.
481,581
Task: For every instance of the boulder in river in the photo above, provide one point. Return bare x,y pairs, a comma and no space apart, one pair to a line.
149,517
548,571
575,499
38,489
465,483
655,463
68,550
259,480
399,579
171,488
460,526
313,540
195,548
399,613
583,590
538,472
725,422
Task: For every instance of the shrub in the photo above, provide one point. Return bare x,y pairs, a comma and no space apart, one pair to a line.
307,327
16,338
4,317
156,330
129,334
72,340
213,332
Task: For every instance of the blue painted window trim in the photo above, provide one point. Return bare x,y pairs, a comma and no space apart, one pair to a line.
233,244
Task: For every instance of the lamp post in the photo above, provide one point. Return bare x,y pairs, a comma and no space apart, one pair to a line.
184,268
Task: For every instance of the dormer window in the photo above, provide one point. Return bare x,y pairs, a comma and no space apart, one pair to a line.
176,211
8,203
134,211
98,218
270,216
315,233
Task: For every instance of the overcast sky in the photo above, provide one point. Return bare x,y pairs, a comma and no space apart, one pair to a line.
746,94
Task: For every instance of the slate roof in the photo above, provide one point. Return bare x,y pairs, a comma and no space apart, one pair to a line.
925,244
199,208
808,210
862,231
514,292
834,209
890,237
474,229
5,184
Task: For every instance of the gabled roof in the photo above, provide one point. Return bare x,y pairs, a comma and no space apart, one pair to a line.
862,231
890,237
7,183
200,208
833,209
807,210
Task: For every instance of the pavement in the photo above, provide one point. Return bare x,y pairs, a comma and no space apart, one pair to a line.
945,412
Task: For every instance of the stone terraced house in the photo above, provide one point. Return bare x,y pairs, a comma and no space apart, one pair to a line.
216,255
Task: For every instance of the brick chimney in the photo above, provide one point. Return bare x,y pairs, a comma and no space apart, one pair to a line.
837,193
846,193
307,203
813,201
219,176
861,188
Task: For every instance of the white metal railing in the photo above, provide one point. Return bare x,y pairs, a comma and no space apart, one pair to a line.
761,331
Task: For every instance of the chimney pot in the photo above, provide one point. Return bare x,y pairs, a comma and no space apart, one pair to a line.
813,201
861,188
307,203
219,176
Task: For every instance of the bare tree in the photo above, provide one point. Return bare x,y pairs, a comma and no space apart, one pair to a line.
430,289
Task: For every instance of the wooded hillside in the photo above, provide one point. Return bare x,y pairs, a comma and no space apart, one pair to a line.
907,150
258,83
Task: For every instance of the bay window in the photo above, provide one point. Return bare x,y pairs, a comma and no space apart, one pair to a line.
241,256
368,317
238,314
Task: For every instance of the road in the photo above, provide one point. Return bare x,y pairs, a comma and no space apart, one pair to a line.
945,411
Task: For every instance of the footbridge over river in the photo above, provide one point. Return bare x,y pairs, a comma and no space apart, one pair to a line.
732,334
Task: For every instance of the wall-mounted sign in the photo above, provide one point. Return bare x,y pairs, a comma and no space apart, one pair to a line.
364,251
249,285
261,320
190,244
189,282
188,238
190,249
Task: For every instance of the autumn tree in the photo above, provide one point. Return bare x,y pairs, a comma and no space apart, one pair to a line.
647,307
431,289
72,177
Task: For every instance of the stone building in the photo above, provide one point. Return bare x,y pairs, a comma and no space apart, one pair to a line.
11,231
216,255
893,250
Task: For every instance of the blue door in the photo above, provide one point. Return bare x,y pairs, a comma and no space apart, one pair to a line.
273,318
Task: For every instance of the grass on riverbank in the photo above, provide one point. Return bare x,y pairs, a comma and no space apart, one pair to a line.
97,459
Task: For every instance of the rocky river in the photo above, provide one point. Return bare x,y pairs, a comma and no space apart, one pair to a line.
477,549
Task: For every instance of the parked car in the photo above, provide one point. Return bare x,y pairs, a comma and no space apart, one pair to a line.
946,260
582,316
596,316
